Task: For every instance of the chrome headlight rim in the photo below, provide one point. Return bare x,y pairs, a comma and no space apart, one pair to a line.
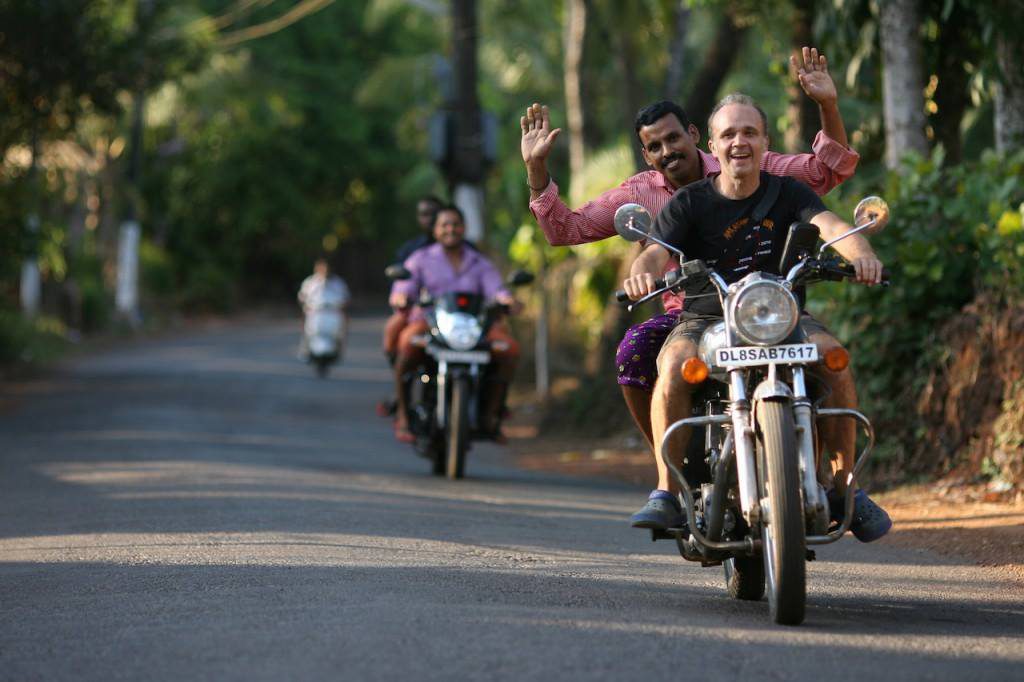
461,331
786,306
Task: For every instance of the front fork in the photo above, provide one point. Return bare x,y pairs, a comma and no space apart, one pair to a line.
815,503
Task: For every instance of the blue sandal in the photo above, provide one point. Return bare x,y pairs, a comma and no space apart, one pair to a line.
661,512
870,522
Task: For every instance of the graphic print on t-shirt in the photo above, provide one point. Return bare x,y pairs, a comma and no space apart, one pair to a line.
747,248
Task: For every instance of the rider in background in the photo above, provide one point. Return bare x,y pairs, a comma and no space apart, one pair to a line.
322,288
426,210
447,265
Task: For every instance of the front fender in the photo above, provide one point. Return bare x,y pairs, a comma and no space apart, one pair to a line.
772,390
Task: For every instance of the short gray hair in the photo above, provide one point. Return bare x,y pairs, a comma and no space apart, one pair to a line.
739,98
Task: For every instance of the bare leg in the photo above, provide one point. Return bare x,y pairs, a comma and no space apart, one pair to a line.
839,436
638,400
670,403
403,365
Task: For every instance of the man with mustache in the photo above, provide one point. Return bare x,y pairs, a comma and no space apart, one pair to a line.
669,144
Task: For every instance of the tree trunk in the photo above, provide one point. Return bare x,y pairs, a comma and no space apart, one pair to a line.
467,172
677,51
718,60
902,83
1009,118
575,32
802,111
631,100
951,95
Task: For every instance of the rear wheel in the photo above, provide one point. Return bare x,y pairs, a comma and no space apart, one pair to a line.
322,366
458,429
782,532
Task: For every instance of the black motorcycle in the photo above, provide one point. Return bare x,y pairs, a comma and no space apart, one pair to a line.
446,396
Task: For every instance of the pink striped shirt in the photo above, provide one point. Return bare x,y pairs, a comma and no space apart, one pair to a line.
830,164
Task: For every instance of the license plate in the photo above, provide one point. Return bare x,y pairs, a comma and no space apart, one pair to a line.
748,356
470,357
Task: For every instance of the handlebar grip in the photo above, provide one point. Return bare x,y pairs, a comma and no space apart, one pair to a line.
847,270
622,297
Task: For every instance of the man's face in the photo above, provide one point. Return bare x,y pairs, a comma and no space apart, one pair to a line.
738,140
425,215
449,230
671,149
320,268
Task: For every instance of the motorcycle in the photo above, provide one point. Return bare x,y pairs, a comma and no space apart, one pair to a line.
445,401
324,332
750,480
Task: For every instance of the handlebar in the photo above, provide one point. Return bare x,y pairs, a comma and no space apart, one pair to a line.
835,272
622,297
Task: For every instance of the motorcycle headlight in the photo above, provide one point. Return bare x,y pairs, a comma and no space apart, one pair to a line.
764,312
714,337
461,331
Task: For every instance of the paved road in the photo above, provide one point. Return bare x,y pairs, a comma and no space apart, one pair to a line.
201,507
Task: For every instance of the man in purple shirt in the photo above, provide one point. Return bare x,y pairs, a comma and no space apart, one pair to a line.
450,265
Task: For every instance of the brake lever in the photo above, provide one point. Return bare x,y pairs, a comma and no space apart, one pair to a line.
650,296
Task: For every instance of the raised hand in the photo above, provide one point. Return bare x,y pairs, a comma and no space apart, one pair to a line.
537,135
812,73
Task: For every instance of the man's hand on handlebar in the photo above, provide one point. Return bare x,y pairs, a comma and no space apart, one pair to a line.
638,286
868,269
398,300
514,307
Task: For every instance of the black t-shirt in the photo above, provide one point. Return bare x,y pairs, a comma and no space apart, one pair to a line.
706,225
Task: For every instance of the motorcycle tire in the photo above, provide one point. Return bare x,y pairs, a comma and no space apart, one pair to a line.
744,577
458,429
322,368
782,532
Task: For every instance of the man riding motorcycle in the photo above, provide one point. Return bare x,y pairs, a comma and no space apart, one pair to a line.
669,144
713,220
448,265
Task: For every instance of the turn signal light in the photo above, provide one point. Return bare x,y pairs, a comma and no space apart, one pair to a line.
694,371
837,359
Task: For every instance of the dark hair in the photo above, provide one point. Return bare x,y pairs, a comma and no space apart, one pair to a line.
449,207
430,199
739,98
653,112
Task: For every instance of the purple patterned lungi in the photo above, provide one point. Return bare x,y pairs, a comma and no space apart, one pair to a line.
637,356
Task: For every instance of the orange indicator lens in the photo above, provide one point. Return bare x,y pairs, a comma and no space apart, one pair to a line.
694,371
837,359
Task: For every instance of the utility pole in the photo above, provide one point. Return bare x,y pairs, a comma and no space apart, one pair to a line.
126,296
31,284
467,156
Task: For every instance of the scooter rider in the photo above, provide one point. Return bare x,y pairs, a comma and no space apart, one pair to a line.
449,265
322,288
711,220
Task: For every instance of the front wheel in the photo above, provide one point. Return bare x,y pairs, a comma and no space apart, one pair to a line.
458,429
782,530
744,577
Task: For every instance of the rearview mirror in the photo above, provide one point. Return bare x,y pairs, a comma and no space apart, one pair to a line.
519,278
397,272
871,209
632,222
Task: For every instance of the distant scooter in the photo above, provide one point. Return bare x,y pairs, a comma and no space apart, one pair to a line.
324,330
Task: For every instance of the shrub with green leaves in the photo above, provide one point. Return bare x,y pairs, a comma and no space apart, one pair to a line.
955,234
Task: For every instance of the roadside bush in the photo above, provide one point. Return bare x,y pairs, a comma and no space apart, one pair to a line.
955,236
26,341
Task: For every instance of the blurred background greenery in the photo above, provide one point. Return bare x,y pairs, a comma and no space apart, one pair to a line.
273,130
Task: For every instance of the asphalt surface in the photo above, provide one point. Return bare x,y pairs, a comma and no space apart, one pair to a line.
201,507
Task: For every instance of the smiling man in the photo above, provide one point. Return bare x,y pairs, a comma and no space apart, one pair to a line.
713,220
